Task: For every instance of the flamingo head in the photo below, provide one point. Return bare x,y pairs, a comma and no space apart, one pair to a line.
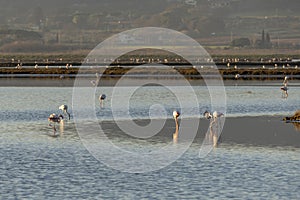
102,96
63,107
207,115
176,114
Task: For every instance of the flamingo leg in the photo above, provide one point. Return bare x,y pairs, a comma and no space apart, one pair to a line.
54,129
67,113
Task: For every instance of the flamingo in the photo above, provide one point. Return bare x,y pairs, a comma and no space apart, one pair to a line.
213,115
213,125
176,114
64,108
102,97
207,115
53,118
284,88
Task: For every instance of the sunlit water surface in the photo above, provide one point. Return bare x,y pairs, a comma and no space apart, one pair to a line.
35,164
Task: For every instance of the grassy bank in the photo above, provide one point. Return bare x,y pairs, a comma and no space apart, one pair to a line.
188,72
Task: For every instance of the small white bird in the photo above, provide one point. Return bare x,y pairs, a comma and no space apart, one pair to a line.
237,76
64,108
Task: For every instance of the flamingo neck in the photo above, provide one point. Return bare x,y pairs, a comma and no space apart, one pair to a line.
68,114
175,135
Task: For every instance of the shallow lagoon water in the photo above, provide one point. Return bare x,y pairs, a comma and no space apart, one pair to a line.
36,103
36,165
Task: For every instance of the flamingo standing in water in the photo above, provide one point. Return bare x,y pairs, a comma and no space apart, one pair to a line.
53,118
284,88
64,108
102,97
213,126
176,114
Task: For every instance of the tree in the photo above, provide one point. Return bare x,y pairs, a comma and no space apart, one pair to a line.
265,41
263,38
268,41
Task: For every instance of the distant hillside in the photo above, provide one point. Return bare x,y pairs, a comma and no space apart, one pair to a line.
83,23
22,10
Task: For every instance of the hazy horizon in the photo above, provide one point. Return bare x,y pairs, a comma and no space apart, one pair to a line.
82,24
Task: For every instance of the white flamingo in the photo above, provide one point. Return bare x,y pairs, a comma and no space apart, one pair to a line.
284,88
53,118
213,115
102,97
64,108
213,126
176,114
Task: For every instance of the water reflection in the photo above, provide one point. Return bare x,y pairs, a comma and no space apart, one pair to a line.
62,127
213,134
297,126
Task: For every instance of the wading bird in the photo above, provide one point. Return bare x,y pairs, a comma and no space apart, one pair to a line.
53,118
214,126
102,97
176,114
213,115
284,88
64,108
